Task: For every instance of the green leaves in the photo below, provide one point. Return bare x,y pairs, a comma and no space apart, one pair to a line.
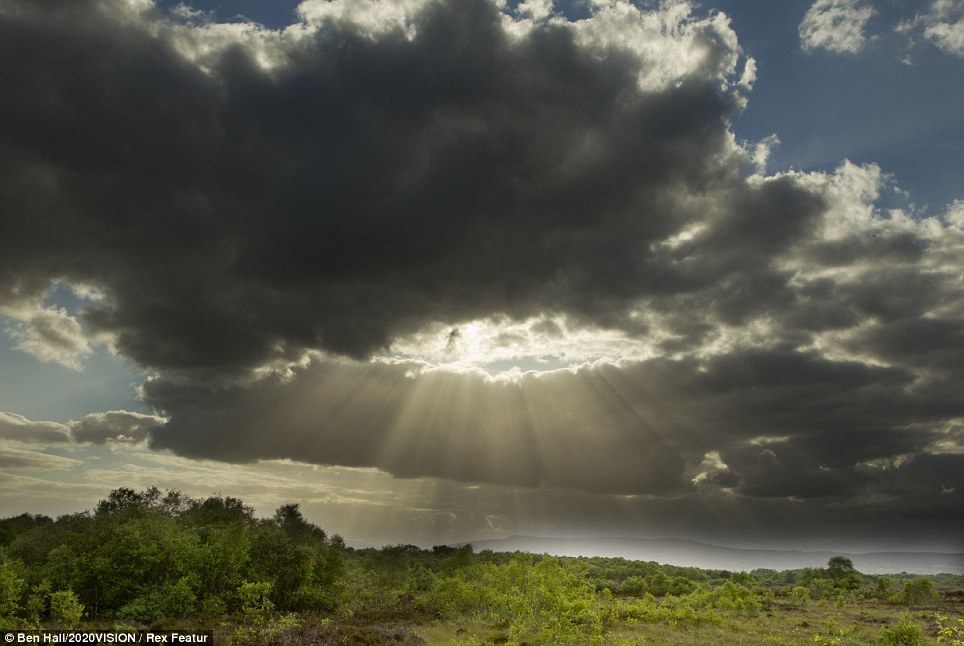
537,600
65,609
150,555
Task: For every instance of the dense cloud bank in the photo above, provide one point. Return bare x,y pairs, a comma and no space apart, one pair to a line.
359,189
254,214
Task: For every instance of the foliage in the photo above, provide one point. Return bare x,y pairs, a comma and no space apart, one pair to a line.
11,587
38,605
832,634
687,611
906,632
256,602
948,632
800,595
65,609
148,555
737,597
882,587
537,600
840,568
164,559
918,592
266,633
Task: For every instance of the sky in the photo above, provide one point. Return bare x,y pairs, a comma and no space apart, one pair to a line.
443,270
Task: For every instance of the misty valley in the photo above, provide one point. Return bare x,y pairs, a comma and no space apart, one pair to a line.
165,561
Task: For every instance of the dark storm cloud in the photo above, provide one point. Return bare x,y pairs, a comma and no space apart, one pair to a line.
785,424
239,220
566,430
362,189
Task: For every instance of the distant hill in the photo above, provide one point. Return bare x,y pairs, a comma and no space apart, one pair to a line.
692,553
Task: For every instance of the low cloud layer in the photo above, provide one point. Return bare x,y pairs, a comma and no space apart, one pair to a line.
96,428
273,221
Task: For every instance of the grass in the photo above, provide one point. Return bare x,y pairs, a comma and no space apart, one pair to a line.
855,624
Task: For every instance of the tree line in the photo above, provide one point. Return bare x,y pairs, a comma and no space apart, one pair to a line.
144,555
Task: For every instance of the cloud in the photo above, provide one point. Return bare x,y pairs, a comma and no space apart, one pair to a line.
942,24
95,428
114,426
831,348
840,27
630,428
836,26
14,458
365,186
51,334
48,332
21,429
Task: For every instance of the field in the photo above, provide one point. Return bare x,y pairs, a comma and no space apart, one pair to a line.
143,560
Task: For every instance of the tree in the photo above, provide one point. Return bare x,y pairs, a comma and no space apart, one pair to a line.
217,510
126,499
293,523
839,568
918,592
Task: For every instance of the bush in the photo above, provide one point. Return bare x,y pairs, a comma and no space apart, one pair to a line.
213,607
38,605
882,588
65,609
800,595
905,632
917,592
734,596
541,602
11,587
172,600
145,609
256,602
178,599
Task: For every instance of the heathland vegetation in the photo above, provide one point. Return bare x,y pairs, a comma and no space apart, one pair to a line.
162,560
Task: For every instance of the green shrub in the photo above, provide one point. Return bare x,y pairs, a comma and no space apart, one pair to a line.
65,609
38,605
905,632
800,595
145,609
213,607
543,602
11,587
882,588
256,602
172,600
917,592
734,596
178,599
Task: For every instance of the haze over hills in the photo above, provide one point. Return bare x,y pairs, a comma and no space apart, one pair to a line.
692,553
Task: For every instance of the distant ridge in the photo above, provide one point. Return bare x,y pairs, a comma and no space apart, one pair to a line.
715,557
